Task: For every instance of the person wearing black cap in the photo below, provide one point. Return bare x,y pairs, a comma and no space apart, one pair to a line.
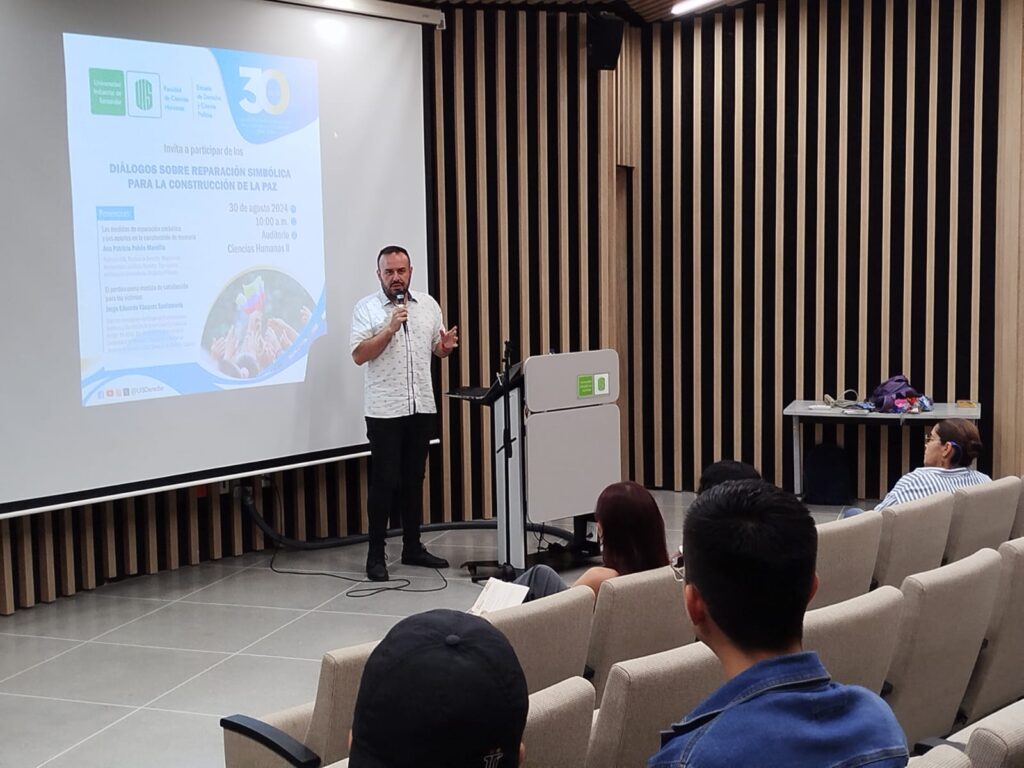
443,689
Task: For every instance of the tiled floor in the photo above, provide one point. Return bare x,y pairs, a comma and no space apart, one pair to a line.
138,673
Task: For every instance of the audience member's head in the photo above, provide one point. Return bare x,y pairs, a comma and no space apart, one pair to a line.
726,469
632,529
952,443
443,688
750,566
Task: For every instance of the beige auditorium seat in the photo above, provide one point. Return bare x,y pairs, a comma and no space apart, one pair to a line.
996,741
645,696
913,538
941,757
982,517
321,726
558,725
636,615
847,550
998,677
550,635
1018,523
945,615
855,639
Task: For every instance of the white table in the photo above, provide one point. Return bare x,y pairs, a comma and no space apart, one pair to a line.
816,410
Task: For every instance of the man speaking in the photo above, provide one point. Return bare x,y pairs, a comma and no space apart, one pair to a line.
394,333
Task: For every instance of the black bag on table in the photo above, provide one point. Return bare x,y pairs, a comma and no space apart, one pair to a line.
827,476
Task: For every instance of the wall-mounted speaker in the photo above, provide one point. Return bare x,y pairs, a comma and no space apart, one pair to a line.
604,39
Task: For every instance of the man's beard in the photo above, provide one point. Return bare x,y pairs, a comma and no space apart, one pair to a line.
392,292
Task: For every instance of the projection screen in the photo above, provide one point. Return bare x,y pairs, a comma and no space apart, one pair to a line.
194,194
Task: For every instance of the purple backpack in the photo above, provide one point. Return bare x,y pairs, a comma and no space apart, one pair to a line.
885,395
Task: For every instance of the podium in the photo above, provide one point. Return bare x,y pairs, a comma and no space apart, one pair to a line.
556,440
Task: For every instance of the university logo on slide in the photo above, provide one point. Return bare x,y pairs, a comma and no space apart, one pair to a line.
144,94
106,91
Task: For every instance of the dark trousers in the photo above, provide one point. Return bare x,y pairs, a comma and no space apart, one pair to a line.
398,459
542,580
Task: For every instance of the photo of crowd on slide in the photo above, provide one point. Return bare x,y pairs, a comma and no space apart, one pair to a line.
256,318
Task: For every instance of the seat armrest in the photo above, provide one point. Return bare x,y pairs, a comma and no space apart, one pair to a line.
932,741
280,743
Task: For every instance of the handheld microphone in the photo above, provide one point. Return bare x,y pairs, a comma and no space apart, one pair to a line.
400,301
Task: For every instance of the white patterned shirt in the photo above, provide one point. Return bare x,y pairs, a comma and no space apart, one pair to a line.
925,481
397,381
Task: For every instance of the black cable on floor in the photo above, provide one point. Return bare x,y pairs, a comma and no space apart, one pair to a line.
283,541
286,542
393,585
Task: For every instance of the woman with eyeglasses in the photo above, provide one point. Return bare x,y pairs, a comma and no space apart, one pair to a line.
949,450
632,535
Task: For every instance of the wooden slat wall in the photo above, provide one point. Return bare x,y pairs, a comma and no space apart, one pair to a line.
832,177
517,243
1009,363
56,554
627,100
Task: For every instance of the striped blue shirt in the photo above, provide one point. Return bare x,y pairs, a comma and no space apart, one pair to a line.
924,481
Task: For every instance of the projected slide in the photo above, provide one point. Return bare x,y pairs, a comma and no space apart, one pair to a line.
198,218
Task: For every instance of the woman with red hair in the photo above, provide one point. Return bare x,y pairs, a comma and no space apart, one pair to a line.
632,535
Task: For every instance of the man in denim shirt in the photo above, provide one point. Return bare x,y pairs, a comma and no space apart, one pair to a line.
750,561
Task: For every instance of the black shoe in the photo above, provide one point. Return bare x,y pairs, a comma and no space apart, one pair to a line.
424,559
376,569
